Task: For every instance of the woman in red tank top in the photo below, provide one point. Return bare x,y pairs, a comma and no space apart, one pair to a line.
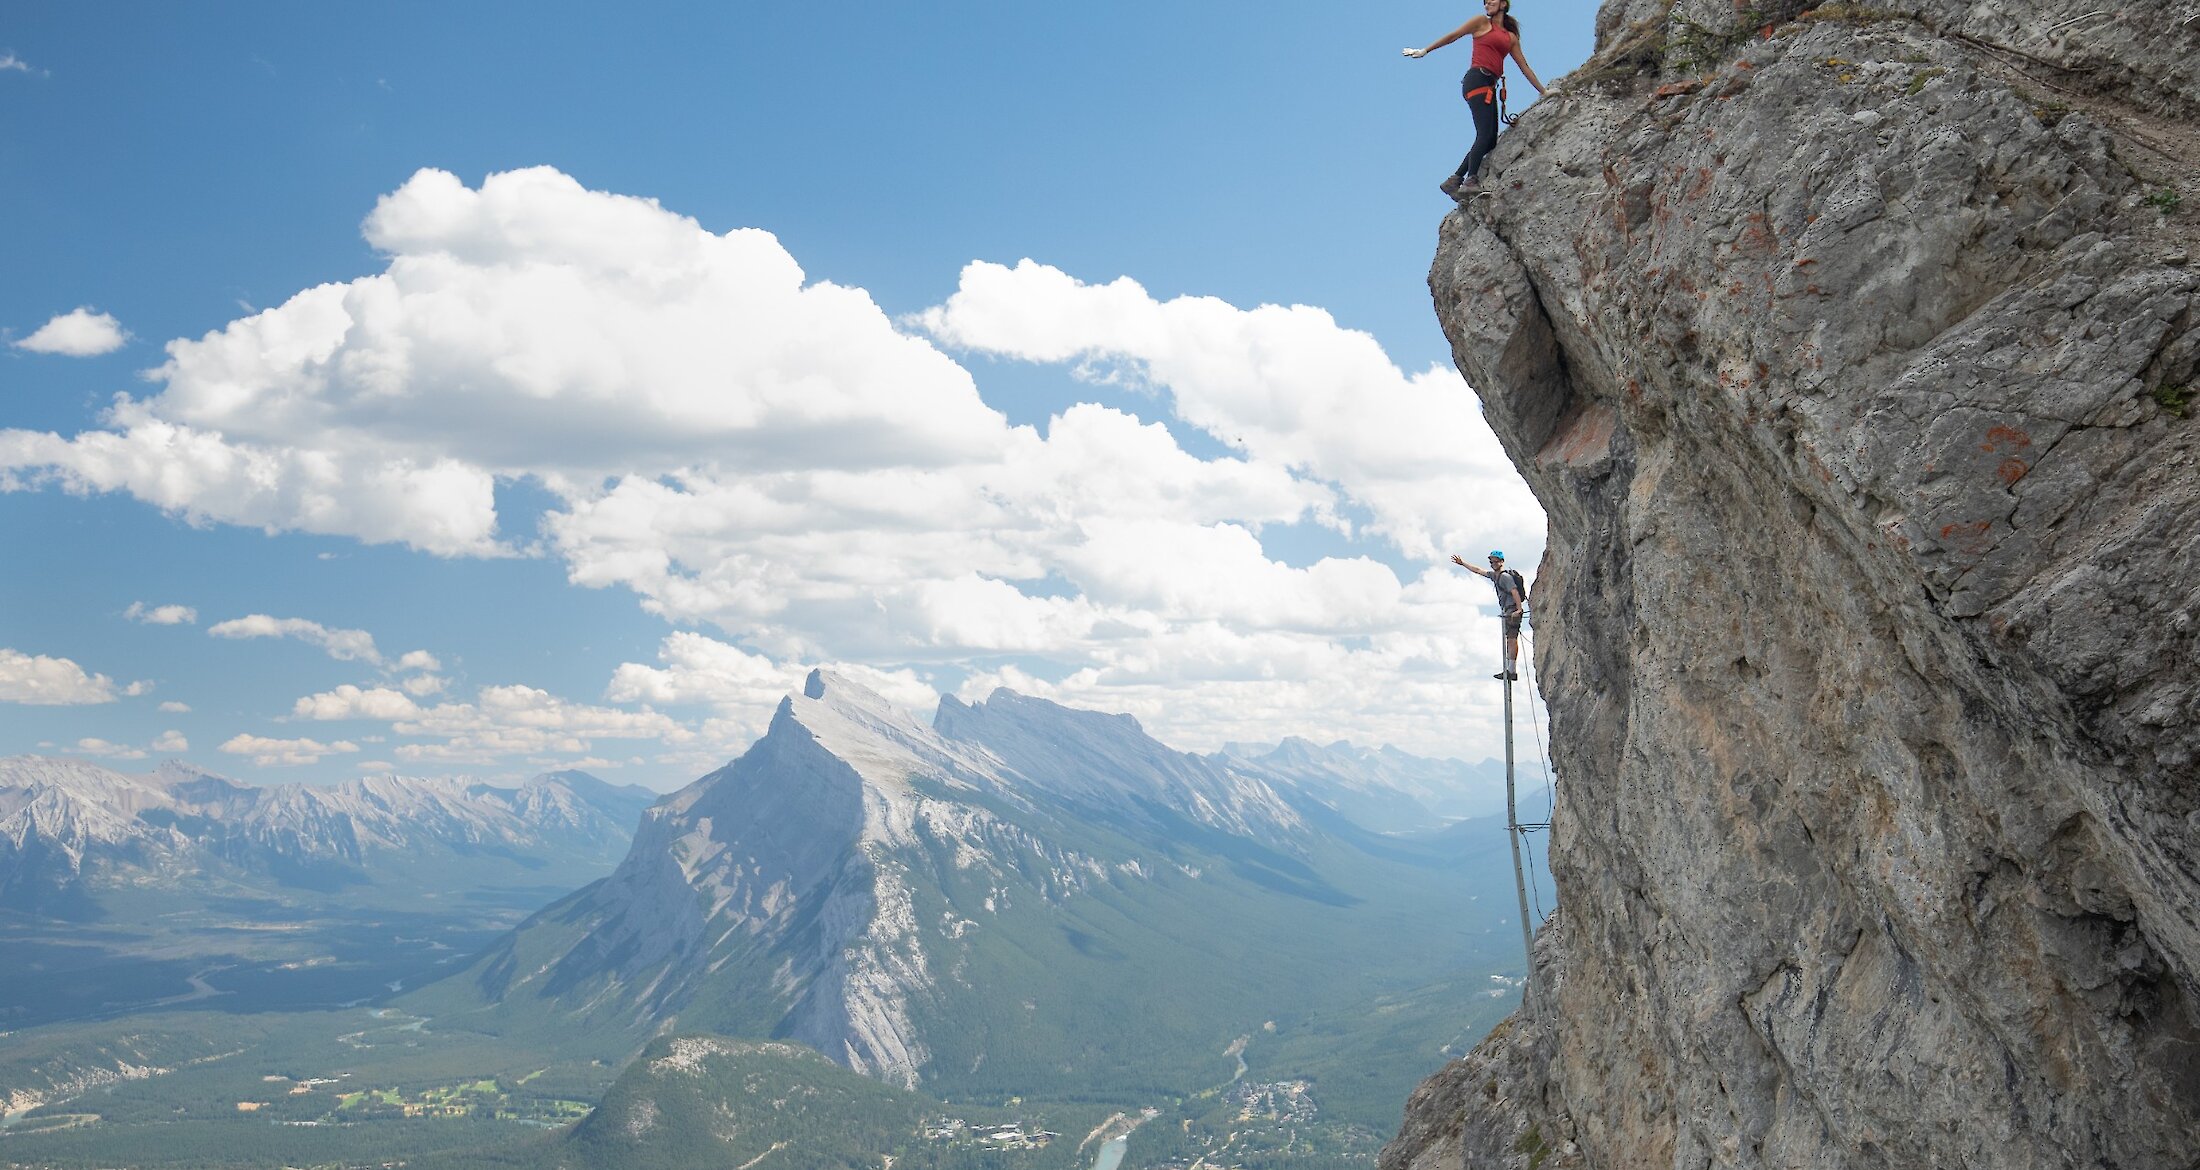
1496,36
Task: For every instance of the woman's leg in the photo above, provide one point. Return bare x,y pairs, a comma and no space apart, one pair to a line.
1479,87
1484,109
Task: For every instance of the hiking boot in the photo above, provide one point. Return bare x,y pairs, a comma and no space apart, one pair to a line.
1506,676
1450,186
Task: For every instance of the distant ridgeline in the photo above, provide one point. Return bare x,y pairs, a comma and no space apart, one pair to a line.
1383,788
1021,899
121,892
72,832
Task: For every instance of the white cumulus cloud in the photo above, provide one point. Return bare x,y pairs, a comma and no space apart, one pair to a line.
1219,572
351,702
702,670
271,753
439,506
161,615
173,707
80,332
501,722
340,644
519,720
93,746
527,328
1284,385
38,680
171,741
776,459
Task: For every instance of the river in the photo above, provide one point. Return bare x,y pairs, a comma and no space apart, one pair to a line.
1111,1153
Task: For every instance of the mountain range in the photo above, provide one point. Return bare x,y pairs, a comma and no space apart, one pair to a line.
1019,897
72,832
1386,789
120,893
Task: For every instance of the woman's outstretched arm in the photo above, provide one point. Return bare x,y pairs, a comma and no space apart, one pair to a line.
1473,28
1526,71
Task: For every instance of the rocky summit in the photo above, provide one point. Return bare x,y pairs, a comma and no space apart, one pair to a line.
1016,897
1854,353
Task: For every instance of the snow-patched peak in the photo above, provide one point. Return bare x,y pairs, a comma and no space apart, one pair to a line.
174,773
837,756
1341,758
801,843
573,800
195,787
114,791
1299,746
59,816
1107,759
585,787
885,745
818,848
68,807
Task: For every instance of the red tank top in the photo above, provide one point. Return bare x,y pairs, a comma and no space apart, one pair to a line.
1491,49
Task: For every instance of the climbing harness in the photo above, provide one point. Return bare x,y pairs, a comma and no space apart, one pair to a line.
1495,93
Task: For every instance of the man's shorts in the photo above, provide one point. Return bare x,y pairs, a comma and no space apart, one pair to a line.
1512,623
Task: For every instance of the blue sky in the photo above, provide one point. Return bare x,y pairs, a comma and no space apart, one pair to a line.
183,169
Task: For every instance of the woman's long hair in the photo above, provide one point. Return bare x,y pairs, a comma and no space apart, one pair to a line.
1512,26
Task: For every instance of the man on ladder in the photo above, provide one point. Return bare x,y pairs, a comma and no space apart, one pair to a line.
1512,603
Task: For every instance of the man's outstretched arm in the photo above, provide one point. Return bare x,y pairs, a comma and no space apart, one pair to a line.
1477,570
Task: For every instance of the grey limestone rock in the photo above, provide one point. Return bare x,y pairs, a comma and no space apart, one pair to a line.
1852,360
1496,1106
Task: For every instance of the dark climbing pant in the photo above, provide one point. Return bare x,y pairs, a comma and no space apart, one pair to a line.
1479,87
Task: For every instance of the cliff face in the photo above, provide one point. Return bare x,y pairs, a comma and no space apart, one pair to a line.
1852,364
